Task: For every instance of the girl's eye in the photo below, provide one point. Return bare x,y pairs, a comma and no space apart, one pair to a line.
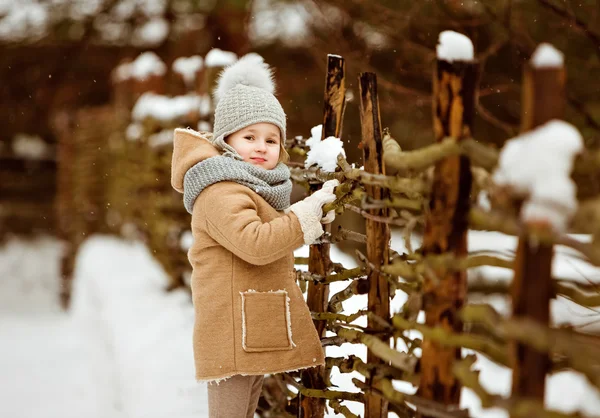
271,141
249,137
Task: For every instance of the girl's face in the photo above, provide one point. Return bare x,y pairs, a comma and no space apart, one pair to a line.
258,144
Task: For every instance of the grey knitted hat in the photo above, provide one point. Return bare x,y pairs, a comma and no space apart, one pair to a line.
244,96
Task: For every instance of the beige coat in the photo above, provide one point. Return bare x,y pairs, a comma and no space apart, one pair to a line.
250,315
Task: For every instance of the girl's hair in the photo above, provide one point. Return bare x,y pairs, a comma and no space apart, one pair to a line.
284,157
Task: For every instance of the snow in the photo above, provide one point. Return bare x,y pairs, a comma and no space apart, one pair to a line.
134,132
538,164
146,65
454,46
372,37
188,67
148,329
51,366
204,126
23,20
30,147
287,23
323,153
547,56
152,33
124,349
219,58
159,139
186,240
164,108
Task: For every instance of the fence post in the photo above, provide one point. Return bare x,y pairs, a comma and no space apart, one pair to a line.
319,261
446,225
543,99
65,202
378,233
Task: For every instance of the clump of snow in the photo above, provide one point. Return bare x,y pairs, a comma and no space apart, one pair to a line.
538,165
547,56
134,132
188,67
152,33
219,58
316,132
165,109
483,200
206,105
161,138
23,20
323,153
204,126
454,46
186,240
372,37
31,147
146,65
286,22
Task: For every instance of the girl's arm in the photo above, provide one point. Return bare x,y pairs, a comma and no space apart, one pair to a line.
231,218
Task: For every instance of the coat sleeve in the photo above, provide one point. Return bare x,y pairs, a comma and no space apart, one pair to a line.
231,219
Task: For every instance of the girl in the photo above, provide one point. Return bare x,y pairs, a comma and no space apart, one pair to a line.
250,316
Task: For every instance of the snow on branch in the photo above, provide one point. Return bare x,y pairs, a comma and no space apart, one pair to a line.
323,153
188,67
538,165
30,147
454,46
219,58
165,109
146,65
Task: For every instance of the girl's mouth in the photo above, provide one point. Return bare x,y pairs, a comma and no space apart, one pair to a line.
260,160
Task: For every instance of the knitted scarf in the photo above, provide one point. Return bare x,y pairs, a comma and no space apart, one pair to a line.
273,185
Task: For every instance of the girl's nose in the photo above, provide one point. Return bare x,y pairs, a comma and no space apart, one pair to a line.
260,146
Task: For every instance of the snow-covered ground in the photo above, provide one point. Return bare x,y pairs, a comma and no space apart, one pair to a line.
124,349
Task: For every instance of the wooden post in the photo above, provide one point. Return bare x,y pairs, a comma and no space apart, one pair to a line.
446,225
319,261
378,233
543,100
64,123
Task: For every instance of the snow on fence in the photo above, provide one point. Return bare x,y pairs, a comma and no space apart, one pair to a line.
439,192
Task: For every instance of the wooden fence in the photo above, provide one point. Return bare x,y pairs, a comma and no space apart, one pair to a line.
429,191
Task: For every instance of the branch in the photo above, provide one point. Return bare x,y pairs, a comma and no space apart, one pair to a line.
338,408
329,316
525,408
379,348
498,353
346,234
354,288
581,355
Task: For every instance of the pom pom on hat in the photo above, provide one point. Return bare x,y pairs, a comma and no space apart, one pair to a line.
250,70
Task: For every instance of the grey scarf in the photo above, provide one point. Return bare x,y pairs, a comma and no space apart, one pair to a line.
273,185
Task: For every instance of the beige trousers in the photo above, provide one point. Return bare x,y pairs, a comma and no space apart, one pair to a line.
236,397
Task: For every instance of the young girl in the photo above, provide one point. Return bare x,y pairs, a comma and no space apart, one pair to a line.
250,316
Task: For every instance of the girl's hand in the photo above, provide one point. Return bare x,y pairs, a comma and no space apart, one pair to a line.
330,217
310,211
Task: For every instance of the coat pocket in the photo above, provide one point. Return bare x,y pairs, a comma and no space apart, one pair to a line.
266,322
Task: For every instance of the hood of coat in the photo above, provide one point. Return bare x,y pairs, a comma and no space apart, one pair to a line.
189,148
